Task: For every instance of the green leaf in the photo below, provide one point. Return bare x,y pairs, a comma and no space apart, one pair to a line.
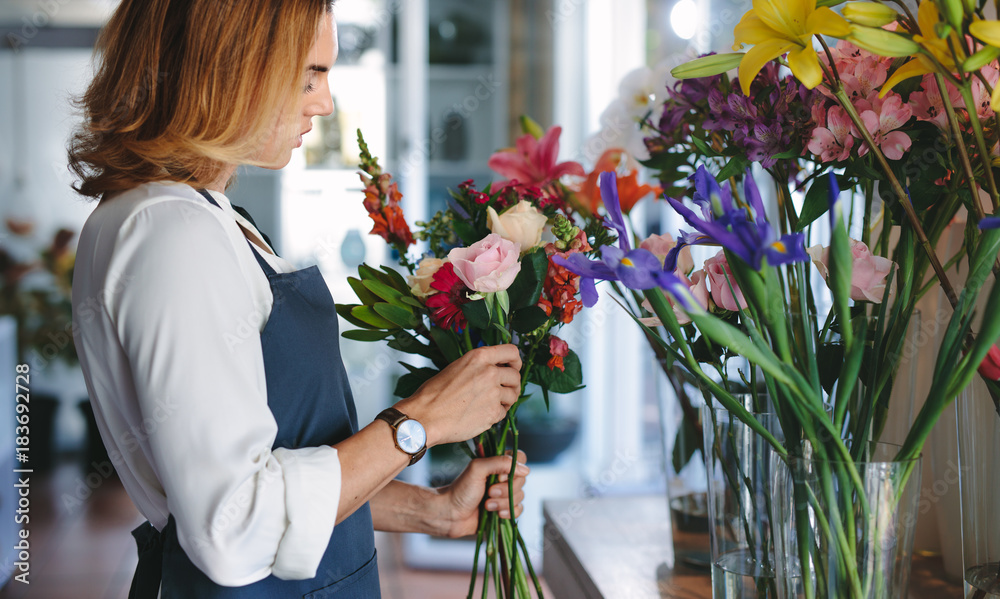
365,335
413,302
399,282
527,286
466,231
410,382
707,66
528,319
477,314
503,302
364,294
734,168
369,316
369,273
384,292
560,381
344,310
447,343
816,203
402,317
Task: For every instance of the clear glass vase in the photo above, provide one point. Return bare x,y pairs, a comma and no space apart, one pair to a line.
979,487
739,465
845,528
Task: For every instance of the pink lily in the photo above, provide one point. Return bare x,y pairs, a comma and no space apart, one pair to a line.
533,161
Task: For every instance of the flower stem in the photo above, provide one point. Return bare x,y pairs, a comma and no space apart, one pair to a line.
901,195
984,154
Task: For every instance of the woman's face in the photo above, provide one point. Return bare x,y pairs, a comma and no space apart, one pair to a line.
316,99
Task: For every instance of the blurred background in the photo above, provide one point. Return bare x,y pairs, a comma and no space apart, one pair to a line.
437,86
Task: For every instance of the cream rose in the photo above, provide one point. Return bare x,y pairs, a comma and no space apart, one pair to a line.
522,224
420,282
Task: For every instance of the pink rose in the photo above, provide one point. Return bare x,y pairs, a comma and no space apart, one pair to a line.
487,266
698,285
660,246
723,284
522,224
868,272
420,282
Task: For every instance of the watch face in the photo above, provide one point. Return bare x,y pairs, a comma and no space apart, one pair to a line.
411,436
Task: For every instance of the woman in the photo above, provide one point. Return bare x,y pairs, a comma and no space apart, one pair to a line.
213,365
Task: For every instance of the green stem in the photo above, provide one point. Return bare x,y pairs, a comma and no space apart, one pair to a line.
984,154
901,195
963,153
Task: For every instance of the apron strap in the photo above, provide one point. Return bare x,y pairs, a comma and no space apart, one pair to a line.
267,268
149,571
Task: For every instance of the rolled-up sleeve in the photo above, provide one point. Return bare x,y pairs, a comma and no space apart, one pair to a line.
187,322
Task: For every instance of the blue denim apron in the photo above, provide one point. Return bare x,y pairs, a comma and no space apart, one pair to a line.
310,397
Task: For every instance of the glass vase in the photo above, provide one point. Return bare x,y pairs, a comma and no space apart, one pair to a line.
845,528
739,465
979,487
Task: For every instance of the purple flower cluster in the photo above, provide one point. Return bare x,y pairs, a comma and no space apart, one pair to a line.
775,117
686,107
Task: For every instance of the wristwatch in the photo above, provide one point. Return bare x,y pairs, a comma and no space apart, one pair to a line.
408,434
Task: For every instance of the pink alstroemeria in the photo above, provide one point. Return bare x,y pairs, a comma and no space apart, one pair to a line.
833,143
926,102
533,161
882,121
980,95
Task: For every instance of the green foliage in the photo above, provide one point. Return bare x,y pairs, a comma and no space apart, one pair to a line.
560,381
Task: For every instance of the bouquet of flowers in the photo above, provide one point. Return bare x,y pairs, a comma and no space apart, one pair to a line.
900,112
488,276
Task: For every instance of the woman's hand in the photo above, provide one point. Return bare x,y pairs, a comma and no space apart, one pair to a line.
472,394
463,496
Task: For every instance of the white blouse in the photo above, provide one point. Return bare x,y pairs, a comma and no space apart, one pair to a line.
168,305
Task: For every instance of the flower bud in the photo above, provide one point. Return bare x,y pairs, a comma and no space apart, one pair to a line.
871,14
707,66
981,58
953,12
882,42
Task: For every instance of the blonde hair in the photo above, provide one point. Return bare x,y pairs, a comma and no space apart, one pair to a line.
186,88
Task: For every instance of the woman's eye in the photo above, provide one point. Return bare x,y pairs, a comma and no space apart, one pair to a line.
310,88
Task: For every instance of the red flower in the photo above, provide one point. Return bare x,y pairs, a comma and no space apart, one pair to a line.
446,305
558,349
560,291
533,161
382,198
990,366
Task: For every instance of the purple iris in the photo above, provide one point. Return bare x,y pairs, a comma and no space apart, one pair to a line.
743,230
636,269
990,222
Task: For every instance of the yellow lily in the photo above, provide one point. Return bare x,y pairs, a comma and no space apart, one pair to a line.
775,27
928,18
989,32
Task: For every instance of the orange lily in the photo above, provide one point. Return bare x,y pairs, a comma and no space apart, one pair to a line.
630,191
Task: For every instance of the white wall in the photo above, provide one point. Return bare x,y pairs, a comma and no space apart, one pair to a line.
36,121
